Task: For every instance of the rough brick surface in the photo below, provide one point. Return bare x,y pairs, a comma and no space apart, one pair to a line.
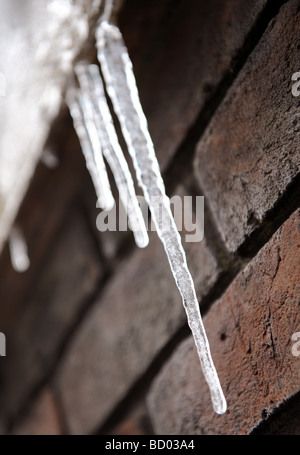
284,421
250,330
137,315
180,52
250,152
42,419
70,277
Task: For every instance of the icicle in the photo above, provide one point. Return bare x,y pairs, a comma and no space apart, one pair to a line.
49,159
107,202
83,123
18,251
91,83
121,87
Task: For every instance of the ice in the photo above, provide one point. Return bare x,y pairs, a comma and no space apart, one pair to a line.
91,83
18,250
81,113
49,159
122,90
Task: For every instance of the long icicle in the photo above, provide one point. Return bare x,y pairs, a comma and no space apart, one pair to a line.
102,187
121,87
91,83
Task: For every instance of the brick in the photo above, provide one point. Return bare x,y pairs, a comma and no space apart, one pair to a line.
129,427
249,329
284,421
249,153
136,316
67,280
136,422
42,419
180,52
50,193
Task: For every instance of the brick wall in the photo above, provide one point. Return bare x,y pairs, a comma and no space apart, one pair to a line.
97,340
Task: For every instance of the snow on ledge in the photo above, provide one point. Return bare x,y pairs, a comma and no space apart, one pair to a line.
39,42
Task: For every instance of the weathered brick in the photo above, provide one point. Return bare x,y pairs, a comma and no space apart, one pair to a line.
69,277
130,323
250,152
43,417
181,51
249,329
284,421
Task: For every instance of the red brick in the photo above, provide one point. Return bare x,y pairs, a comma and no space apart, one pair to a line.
249,329
181,51
250,152
131,322
42,419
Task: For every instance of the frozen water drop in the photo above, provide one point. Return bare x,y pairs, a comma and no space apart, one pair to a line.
18,250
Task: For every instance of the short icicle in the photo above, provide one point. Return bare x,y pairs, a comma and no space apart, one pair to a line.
81,113
121,87
18,250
